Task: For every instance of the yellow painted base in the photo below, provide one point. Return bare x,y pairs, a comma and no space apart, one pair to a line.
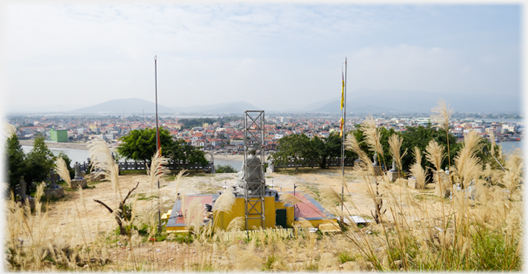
270,207
223,219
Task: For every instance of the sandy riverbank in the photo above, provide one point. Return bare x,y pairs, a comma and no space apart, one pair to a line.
81,146
229,157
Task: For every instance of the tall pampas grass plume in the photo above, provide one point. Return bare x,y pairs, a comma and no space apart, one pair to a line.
352,144
467,163
493,143
9,130
103,163
417,170
236,224
290,199
441,115
158,168
435,154
64,173
224,203
178,180
62,170
395,142
194,215
514,169
372,136
331,200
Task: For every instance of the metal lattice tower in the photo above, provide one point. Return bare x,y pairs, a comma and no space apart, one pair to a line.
254,139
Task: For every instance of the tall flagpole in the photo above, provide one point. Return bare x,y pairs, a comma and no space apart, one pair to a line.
344,129
157,134
156,93
343,140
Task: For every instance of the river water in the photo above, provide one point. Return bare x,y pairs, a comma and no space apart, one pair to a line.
80,155
497,120
76,155
509,147
236,164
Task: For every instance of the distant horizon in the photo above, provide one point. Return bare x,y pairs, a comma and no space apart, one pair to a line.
212,114
117,106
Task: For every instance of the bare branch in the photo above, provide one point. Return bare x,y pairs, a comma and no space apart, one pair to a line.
109,209
124,200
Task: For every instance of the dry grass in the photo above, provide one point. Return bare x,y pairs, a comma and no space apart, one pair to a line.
467,232
103,163
62,171
395,142
417,170
9,130
372,136
442,115
478,230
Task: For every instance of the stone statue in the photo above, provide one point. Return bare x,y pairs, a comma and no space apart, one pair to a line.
375,159
53,178
54,190
271,166
21,189
251,172
79,179
212,164
77,171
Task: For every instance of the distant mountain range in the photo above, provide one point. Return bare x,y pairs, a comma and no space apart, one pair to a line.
139,106
221,108
361,101
379,101
120,106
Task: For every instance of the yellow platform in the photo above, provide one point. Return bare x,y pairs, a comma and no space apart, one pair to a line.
277,213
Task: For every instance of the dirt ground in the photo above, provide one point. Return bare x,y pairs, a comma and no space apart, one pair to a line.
93,214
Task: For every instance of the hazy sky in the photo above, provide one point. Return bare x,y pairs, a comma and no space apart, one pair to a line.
272,55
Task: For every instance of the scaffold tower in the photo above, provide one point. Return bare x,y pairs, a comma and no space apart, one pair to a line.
254,140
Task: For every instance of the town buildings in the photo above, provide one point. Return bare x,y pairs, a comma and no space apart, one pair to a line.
227,136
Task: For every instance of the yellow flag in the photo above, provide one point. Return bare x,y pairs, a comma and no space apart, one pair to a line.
341,127
342,91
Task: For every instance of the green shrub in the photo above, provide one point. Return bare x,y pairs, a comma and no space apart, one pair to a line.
225,169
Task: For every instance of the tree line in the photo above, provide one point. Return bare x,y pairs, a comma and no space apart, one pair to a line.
305,151
315,151
34,166
140,145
